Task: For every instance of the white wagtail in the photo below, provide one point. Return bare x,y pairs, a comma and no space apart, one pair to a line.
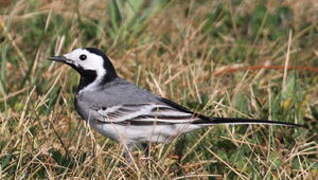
128,114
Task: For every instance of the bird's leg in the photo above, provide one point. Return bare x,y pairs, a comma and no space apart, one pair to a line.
146,149
128,153
179,148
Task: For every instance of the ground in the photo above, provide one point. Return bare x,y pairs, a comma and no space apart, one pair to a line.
251,59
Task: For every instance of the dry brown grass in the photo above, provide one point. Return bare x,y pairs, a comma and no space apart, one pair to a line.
176,55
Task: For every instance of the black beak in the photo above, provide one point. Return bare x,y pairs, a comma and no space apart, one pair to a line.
58,58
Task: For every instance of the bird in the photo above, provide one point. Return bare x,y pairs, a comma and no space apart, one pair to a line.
128,114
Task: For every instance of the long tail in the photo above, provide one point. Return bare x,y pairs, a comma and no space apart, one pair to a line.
216,120
204,120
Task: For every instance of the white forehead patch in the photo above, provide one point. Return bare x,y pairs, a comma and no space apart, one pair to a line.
92,62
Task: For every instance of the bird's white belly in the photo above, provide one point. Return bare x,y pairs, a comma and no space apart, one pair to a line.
140,134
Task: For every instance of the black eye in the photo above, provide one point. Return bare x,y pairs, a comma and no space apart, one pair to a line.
83,57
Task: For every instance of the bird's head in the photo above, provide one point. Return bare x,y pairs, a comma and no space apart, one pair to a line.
92,64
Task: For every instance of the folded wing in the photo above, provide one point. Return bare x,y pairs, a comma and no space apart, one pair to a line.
145,114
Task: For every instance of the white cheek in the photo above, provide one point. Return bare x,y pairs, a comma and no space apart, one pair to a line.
94,63
91,64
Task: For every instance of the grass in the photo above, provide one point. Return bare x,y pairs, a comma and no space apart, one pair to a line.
220,58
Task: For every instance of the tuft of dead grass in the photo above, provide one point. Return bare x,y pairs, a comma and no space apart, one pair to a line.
218,58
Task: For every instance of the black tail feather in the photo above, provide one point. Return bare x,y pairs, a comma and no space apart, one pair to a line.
219,120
